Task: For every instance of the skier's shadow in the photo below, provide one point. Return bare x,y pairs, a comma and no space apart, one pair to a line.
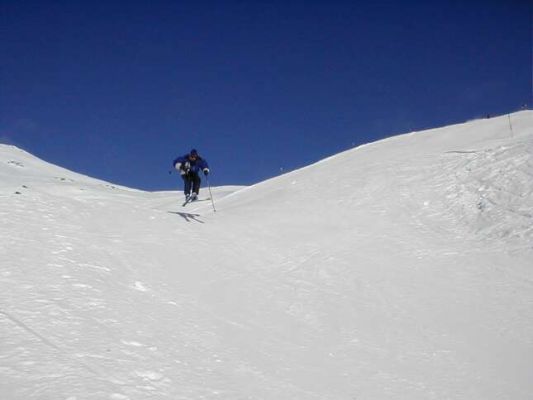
188,216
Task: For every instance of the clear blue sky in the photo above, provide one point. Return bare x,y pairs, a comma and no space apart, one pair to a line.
118,89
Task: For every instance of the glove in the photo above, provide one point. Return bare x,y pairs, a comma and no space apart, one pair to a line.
183,168
206,171
180,169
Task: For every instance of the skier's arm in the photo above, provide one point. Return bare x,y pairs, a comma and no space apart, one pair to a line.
181,165
205,167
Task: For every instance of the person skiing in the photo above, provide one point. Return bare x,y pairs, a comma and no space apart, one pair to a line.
189,167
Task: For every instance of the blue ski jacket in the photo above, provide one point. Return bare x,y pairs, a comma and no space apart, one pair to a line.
195,165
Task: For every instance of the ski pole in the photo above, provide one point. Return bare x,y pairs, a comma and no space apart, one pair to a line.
210,194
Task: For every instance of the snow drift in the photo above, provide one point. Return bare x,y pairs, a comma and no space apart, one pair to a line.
397,270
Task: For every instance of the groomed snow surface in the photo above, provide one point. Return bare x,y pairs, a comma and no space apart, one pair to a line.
401,269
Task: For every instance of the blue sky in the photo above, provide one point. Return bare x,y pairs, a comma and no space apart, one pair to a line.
117,89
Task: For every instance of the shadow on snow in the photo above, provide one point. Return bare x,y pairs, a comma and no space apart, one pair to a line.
188,216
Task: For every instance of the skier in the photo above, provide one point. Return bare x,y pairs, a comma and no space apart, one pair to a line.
189,167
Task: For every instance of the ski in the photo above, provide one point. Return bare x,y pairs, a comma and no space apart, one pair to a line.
194,200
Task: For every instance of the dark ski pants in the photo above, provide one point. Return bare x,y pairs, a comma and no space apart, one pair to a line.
192,181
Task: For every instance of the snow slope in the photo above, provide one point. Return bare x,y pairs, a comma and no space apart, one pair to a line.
397,270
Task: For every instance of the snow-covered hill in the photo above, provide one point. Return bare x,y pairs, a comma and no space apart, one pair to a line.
397,270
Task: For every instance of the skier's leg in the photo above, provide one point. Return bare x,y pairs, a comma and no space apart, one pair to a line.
186,185
196,184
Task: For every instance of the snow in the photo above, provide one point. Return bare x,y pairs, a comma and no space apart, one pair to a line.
396,270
